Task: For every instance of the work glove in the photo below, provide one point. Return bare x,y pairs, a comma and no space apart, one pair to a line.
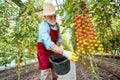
70,55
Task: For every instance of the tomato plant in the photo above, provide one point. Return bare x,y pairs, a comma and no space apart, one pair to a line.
106,19
103,15
19,30
93,27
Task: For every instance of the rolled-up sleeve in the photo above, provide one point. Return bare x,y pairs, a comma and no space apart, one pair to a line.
44,32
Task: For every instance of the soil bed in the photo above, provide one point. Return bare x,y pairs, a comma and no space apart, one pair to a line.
28,72
108,69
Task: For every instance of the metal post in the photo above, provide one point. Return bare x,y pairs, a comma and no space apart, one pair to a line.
57,4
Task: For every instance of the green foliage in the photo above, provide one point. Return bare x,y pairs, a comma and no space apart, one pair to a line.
66,43
18,32
104,15
106,18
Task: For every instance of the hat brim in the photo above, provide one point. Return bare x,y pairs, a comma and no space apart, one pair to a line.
48,13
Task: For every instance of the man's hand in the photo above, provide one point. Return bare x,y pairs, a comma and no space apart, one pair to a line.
70,55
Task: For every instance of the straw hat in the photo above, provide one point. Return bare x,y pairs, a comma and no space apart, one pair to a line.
48,9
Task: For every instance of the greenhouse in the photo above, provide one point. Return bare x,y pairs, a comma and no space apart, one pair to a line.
59,39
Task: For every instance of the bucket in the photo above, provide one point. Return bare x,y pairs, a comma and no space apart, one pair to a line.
61,64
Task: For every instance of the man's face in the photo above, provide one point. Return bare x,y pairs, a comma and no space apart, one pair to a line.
51,19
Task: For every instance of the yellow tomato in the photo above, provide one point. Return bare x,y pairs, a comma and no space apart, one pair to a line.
90,50
78,50
98,41
83,52
85,43
96,45
101,45
93,41
93,51
99,48
96,38
88,47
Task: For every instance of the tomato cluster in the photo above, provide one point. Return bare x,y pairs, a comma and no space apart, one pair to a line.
86,35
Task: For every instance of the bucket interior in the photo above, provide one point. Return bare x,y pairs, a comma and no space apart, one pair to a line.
57,58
